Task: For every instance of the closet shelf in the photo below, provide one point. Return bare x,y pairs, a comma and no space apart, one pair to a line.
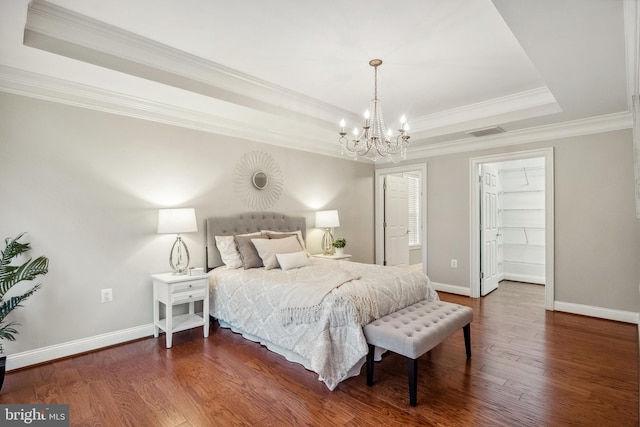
520,191
525,244
523,262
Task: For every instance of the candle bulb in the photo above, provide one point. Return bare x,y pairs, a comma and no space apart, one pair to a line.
342,125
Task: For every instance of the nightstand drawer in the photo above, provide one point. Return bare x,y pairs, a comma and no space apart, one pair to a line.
188,295
185,286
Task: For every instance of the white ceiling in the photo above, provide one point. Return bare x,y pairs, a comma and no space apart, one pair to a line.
285,72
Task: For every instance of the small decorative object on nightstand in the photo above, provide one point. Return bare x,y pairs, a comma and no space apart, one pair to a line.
171,290
344,257
339,244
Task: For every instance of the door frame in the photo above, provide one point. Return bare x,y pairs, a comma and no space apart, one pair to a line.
474,218
421,168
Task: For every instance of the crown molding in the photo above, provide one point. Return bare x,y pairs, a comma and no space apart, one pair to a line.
55,29
266,128
523,105
591,125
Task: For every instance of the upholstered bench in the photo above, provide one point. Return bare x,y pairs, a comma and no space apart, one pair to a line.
413,331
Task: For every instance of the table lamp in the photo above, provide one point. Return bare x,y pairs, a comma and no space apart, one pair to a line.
176,221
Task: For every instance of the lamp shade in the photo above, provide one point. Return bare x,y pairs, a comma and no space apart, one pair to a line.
177,221
327,219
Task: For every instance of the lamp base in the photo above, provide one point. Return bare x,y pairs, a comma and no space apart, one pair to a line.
327,242
179,257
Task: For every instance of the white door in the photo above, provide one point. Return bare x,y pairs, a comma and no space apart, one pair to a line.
396,239
489,253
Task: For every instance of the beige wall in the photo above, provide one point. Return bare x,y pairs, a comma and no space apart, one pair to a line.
597,236
86,185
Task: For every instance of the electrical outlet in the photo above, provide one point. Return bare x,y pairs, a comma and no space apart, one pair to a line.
106,295
454,263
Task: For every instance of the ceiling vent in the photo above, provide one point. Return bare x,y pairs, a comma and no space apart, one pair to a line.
486,131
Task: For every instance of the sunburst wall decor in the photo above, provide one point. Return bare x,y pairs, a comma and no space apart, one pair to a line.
257,180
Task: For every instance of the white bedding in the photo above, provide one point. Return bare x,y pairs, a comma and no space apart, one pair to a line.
331,342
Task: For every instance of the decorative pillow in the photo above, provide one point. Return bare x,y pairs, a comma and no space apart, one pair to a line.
282,234
292,260
268,248
228,251
248,253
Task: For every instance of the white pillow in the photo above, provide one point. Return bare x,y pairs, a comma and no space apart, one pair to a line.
297,233
292,260
228,251
268,248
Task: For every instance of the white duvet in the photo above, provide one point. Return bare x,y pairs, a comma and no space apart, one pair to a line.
330,342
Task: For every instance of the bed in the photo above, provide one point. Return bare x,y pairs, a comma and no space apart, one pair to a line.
310,310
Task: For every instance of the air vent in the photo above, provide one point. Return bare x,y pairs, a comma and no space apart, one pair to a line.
486,131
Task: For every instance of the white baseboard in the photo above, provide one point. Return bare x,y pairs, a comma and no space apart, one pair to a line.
452,289
567,307
600,312
45,354
539,280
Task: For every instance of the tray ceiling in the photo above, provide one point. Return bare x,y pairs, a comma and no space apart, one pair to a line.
285,72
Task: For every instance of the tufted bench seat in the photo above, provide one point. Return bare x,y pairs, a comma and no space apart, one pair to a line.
414,330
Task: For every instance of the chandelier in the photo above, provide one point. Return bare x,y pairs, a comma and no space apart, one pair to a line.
375,141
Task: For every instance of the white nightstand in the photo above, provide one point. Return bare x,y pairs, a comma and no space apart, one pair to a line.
171,290
342,257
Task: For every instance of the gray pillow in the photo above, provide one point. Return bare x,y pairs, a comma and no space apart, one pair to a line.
248,253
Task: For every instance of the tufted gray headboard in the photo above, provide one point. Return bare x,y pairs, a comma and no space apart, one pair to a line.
248,223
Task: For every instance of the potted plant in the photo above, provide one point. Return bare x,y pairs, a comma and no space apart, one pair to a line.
339,244
13,270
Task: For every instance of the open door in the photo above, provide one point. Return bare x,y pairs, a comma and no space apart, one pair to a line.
490,226
395,220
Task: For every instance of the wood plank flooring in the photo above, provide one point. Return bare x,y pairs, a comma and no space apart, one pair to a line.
529,368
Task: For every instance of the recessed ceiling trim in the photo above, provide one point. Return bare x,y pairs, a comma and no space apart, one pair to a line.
55,29
592,125
524,105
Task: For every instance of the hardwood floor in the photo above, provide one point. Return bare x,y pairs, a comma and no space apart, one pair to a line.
529,368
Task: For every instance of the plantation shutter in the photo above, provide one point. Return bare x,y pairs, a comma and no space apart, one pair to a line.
413,223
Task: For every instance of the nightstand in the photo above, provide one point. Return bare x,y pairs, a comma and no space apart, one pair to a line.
344,257
171,290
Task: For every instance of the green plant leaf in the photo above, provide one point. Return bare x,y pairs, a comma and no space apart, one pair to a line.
7,306
10,275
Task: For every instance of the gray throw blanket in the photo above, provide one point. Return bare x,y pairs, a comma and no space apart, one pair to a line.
303,302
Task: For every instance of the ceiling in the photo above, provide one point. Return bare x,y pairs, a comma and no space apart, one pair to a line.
285,72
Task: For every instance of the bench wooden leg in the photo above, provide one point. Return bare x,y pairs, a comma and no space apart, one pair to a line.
370,355
467,339
412,364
